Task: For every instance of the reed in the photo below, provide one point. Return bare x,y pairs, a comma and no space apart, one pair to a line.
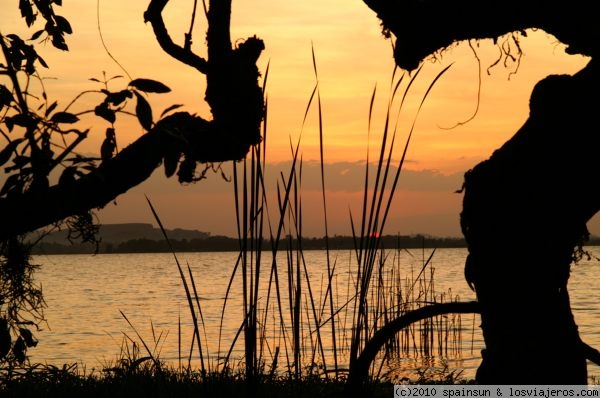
293,327
288,328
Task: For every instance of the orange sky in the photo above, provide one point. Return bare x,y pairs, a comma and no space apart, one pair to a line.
352,57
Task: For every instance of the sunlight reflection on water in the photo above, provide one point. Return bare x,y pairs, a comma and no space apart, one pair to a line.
85,295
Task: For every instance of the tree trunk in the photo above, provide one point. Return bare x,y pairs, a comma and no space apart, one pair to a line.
525,209
524,214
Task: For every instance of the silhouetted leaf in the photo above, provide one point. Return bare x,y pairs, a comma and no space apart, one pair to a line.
51,108
143,112
94,79
169,109
21,120
6,153
42,62
57,2
37,34
5,96
63,24
105,113
27,12
149,86
58,41
28,337
64,117
118,97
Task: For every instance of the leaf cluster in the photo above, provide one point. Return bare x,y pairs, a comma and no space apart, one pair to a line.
55,27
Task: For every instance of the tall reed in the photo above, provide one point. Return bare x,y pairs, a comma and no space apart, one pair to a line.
286,324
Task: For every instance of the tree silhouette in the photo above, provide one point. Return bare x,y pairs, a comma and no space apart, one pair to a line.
41,139
525,209
178,141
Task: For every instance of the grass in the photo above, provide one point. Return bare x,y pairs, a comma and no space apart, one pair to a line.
298,340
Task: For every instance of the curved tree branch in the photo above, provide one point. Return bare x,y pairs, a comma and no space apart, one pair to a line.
178,135
359,369
422,27
179,141
154,15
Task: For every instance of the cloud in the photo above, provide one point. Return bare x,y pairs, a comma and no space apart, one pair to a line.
350,177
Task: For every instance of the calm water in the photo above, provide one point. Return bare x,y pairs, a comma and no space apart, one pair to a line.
85,295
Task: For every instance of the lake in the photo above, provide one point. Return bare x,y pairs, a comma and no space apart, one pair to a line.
86,294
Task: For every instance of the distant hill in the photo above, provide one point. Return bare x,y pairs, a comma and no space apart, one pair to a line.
144,238
119,233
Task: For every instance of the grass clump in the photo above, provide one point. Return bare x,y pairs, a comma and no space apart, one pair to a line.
148,380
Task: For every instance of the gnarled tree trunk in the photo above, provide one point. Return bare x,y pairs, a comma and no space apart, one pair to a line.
525,209
524,214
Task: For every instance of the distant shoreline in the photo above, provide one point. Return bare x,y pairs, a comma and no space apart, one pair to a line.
228,244
224,243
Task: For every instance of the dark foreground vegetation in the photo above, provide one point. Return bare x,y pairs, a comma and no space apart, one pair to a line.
61,383
141,377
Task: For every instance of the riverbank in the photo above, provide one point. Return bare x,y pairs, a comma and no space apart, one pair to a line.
224,243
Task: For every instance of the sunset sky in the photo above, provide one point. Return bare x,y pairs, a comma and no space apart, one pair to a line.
352,58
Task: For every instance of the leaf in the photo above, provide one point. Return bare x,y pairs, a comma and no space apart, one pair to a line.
118,97
169,109
6,153
58,41
37,34
63,24
22,120
51,108
149,86
27,12
105,113
64,117
28,337
143,112
6,96
42,62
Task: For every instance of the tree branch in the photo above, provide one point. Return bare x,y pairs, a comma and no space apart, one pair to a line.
180,134
422,27
218,37
359,368
154,15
